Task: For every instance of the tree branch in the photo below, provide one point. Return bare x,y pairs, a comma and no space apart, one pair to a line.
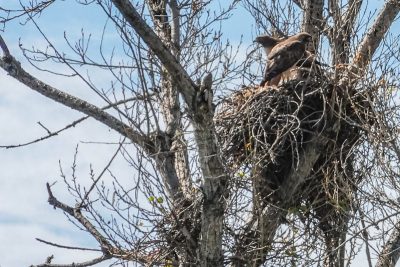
390,253
72,124
81,264
375,34
109,251
215,178
175,25
179,75
66,247
14,69
350,16
312,21
4,48
342,31
77,214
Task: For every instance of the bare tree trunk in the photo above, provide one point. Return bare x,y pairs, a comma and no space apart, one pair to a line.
312,21
198,100
168,31
215,178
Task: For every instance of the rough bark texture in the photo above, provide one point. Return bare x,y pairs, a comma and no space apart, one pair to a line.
312,21
215,179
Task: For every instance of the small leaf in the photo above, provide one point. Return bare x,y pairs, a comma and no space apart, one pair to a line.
240,174
151,198
160,200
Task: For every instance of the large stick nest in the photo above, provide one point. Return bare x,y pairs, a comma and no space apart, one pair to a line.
265,129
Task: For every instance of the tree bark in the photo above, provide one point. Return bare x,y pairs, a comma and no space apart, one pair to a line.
375,34
198,99
215,179
312,21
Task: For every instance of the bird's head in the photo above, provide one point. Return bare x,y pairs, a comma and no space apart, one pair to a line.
266,40
304,37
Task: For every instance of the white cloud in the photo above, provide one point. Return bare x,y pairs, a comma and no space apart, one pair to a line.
19,247
24,211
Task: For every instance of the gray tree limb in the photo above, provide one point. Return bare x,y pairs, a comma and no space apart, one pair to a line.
169,61
375,34
342,31
153,145
14,69
80,264
108,250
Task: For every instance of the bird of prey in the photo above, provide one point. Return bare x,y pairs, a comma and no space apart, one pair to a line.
283,54
268,42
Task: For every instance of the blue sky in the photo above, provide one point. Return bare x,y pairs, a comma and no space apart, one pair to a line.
24,211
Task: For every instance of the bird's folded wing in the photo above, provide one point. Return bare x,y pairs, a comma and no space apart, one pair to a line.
295,47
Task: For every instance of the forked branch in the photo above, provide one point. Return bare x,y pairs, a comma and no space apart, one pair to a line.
109,251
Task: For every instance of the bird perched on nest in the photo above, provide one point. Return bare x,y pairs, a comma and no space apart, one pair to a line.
284,54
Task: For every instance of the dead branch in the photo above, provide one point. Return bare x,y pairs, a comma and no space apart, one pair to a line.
70,125
109,251
76,213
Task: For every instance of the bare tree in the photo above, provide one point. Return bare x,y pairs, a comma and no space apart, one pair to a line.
299,175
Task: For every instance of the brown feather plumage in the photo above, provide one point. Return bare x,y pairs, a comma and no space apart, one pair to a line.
283,54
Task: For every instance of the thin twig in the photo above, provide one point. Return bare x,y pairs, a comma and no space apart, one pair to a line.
101,175
66,247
